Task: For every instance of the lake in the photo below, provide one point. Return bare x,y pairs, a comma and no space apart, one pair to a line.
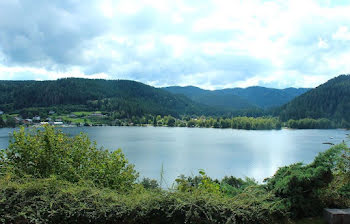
219,152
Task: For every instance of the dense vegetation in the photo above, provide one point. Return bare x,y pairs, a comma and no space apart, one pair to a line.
125,102
330,100
128,97
135,99
239,98
309,123
68,180
212,98
247,123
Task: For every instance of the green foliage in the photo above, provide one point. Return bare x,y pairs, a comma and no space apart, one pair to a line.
301,186
330,100
55,201
247,123
43,153
129,98
148,183
228,186
201,182
309,123
233,186
2,122
239,98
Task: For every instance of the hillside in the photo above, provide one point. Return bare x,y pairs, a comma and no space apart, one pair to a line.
266,97
211,98
329,100
239,98
133,98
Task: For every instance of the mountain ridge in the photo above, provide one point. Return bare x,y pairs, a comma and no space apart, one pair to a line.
250,97
329,100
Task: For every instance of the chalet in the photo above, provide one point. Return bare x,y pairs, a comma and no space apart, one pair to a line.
58,120
51,112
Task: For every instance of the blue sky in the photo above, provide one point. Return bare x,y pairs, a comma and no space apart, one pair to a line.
210,44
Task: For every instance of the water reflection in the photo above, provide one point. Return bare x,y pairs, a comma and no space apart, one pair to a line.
219,152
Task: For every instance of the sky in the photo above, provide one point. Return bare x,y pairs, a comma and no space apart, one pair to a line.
210,44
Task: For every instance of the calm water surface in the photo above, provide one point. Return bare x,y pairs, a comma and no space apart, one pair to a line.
219,152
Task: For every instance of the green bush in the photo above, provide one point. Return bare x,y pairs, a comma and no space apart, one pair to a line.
303,188
47,152
56,201
232,186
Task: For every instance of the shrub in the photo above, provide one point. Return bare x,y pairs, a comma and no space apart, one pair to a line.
148,183
42,153
56,201
303,187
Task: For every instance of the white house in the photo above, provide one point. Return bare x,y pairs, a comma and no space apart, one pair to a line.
1,112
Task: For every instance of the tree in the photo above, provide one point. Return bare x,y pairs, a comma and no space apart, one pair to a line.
171,121
43,153
2,122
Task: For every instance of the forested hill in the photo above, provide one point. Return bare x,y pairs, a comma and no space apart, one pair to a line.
131,97
211,98
240,98
329,100
266,97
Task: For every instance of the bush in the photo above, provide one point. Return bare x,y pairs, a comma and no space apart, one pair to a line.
47,152
56,201
148,183
233,186
303,188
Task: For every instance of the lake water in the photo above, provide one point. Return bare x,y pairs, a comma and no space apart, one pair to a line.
219,152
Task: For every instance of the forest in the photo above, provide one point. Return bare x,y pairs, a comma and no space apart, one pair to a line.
124,101
330,100
49,177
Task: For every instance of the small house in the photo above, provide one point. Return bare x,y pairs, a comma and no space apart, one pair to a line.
1,112
51,112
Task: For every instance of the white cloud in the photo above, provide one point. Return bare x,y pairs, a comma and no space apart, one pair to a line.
212,44
342,33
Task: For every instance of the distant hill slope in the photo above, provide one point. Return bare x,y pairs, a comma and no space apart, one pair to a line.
133,98
211,98
329,100
239,98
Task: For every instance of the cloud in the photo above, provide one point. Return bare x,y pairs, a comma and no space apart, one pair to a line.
342,34
211,44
